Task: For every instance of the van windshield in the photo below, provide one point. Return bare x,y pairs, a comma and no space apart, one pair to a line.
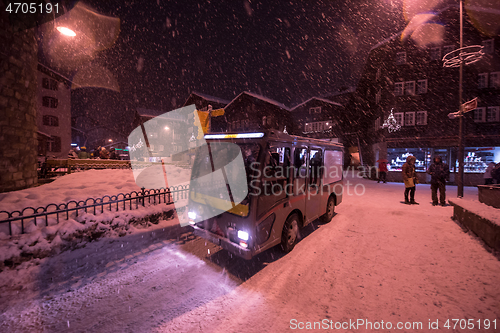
220,176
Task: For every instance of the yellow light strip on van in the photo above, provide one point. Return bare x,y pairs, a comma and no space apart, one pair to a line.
235,136
221,204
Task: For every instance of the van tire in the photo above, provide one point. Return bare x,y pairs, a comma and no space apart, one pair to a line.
330,210
290,233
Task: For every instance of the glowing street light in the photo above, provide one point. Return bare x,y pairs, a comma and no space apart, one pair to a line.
66,31
167,128
110,140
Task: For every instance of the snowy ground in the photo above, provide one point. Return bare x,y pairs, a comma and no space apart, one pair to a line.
40,240
376,260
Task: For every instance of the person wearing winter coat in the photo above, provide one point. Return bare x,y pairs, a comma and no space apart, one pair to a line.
104,153
82,154
488,178
72,154
113,155
410,179
440,173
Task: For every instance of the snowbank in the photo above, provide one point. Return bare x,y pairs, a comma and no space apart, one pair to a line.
42,240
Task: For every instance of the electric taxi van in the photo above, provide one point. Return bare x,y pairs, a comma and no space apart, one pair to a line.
252,191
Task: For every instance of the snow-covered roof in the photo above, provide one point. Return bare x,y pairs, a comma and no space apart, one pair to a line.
262,98
210,98
324,100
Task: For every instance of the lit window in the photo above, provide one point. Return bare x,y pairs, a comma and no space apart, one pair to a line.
398,88
409,118
421,118
488,46
410,87
495,80
422,86
400,58
479,115
398,116
482,81
435,53
492,114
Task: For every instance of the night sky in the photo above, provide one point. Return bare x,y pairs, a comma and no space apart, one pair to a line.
285,50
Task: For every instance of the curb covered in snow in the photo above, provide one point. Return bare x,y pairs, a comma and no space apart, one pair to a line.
73,234
482,220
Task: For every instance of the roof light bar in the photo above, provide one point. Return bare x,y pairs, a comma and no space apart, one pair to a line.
234,136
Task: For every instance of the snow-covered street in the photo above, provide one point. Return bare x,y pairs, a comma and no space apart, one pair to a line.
376,260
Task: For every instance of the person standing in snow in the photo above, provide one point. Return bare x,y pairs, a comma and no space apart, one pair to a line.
488,178
72,154
382,170
113,155
440,173
82,154
104,154
410,179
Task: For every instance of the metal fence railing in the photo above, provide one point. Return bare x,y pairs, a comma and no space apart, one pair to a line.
93,205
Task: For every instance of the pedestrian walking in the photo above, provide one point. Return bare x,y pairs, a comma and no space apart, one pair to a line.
440,173
488,178
382,170
410,179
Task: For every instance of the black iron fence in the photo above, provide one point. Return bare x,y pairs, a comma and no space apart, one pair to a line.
132,200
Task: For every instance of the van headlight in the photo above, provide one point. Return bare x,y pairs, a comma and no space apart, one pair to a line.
192,215
243,235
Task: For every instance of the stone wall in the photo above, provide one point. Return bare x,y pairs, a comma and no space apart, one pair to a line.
18,88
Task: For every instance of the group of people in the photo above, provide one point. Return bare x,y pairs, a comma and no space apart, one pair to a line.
100,152
440,174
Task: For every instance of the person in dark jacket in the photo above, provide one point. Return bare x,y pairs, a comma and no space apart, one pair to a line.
410,179
440,173
113,155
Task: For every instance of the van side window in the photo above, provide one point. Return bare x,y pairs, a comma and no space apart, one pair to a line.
315,166
299,162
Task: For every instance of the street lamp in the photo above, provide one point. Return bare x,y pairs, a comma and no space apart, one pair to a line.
466,55
66,31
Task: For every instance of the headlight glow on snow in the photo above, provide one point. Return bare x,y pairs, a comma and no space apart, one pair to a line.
242,235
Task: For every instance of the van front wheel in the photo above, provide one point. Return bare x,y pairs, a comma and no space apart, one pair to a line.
330,210
290,233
